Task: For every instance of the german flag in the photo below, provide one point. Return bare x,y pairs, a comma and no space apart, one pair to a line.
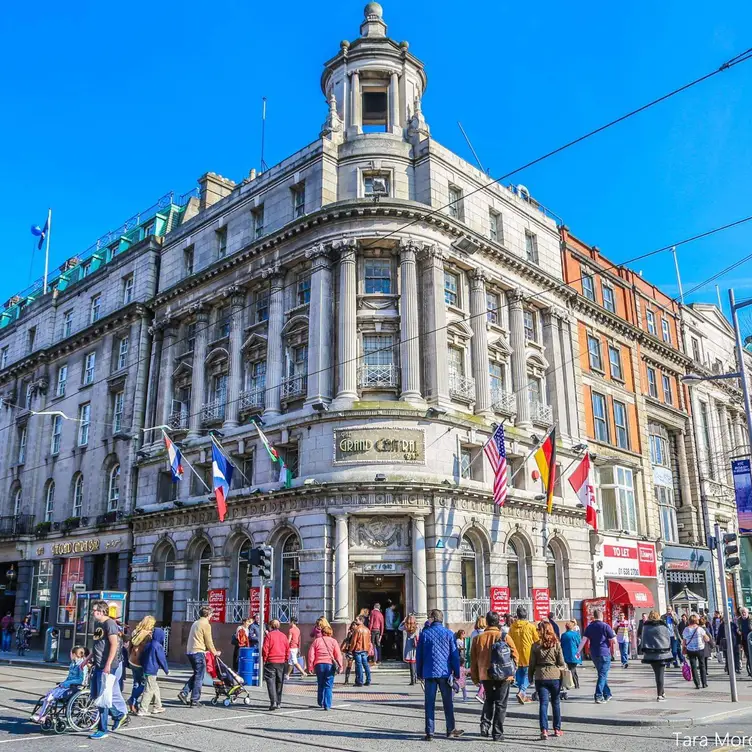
545,458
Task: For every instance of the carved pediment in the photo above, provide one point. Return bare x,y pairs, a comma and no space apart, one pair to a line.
218,353
183,370
460,329
501,343
378,532
299,321
255,340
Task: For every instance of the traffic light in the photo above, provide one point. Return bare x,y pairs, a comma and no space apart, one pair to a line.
730,549
265,562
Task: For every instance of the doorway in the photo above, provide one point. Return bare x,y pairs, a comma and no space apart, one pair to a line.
166,600
384,590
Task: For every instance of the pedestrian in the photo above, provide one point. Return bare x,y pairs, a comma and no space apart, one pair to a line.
554,625
672,623
409,628
524,634
347,653
715,624
276,656
727,649
77,670
6,626
437,664
478,628
23,634
546,664
694,638
365,613
570,643
624,639
640,627
709,644
199,643
461,682
496,689
391,625
138,641
360,645
152,659
600,637
240,639
254,632
107,663
293,639
745,629
325,658
377,632
316,631
656,649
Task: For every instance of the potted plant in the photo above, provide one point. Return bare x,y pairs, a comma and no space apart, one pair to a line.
42,528
71,523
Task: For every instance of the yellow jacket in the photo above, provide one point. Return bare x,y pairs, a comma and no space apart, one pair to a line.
524,634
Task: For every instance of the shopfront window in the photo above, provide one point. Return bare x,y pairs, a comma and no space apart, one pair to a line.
41,586
72,574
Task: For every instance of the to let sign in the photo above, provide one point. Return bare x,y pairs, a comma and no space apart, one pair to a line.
255,606
218,605
541,604
629,558
500,600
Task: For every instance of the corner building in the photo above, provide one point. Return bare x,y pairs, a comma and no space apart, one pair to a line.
379,331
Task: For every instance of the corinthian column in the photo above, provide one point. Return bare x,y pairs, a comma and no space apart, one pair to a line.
232,409
556,390
394,123
356,117
479,344
167,368
434,339
198,382
420,570
274,351
347,335
409,329
519,364
320,327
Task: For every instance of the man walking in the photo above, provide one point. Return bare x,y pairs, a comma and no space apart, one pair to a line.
523,635
6,627
437,664
377,632
276,654
745,629
107,665
360,645
199,642
601,637
496,691
672,623
293,638
254,632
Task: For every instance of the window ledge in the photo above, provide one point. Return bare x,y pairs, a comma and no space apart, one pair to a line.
457,310
86,386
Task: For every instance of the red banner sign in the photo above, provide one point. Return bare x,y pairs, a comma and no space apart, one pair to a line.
218,605
646,556
500,601
256,602
541,604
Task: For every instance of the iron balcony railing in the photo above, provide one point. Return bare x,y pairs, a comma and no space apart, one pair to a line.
461,387
178,420
370,376
252,399
211,411
12,525
540,413
283,609
503,402
295,386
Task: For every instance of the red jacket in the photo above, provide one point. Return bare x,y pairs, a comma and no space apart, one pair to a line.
377,621
276,647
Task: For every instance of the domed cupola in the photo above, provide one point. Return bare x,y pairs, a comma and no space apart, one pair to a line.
374,85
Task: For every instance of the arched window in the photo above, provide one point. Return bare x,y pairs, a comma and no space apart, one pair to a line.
519,572
555,571
469,568
290,585
513,570
204,572
78,495
17,502
49,501
113,489
242,586
166,563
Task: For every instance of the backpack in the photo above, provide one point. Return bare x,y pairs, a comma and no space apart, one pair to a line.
502,665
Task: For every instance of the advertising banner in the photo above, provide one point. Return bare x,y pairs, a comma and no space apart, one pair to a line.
256,602
500,600
541,604
218,605
629,558
743,492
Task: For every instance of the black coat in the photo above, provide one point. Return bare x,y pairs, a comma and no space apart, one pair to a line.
656,642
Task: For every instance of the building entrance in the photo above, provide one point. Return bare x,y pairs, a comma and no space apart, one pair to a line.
385,590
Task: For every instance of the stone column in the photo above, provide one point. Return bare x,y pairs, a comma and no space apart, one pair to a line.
554,381
25,574
739,440
394,124
684,479
409,327
198,381
434,339
57,574
567,353
274,349
155,376
235,377
89,572
347,334
420,570
726,443
356,116
479,344
341,568
320,327
519,363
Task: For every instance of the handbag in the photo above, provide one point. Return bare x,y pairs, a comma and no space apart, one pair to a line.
337,667
686,671
567,680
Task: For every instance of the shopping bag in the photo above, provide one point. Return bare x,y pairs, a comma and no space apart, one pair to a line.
567,681
104,700
686,671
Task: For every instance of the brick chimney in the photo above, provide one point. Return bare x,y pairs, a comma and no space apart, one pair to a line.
213,188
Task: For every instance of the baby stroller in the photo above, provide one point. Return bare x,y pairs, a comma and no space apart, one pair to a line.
226,683
74,711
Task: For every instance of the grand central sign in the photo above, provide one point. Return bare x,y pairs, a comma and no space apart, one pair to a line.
366,445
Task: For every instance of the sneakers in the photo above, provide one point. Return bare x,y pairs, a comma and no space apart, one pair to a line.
661,698
99,735
157,711
558,732
183,697
544,735
120,721
599,701
607,699
141,713
428,738
196,704
455,733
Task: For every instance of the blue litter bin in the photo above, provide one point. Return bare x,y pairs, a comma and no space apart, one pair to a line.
248,666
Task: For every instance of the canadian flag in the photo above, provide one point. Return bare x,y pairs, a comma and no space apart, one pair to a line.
583,487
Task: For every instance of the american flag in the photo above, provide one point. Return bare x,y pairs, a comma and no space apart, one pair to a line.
496,452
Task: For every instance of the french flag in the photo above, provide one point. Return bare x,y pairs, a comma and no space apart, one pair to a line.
176,459
221,478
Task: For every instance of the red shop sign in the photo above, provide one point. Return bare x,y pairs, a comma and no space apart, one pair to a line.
500,600
218,605
541,604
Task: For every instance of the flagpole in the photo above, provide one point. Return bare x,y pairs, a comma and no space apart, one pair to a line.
224,451
529,455
47,251
190,467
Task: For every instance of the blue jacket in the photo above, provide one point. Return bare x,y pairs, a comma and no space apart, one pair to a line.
570,641
153,656
437,655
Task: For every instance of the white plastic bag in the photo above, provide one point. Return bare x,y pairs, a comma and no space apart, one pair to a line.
105,696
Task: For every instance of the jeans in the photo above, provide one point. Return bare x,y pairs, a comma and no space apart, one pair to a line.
676,651
138,685
602,664
376,641
7,641
494,707
361,666
413,678
520,678
324,684
659,669
444,685
274,676
548,689
624,652
697,662
575,676
193,685
151,692
118,708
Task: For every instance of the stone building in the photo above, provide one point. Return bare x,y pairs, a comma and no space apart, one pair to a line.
379,306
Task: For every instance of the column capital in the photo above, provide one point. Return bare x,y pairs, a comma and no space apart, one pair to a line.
419,515
516,296
338,513
408,249
275,272
201,312
557,312
236,293
346,248
432,254
319,257
478,279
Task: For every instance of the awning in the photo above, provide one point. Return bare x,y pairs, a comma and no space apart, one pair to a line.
626,593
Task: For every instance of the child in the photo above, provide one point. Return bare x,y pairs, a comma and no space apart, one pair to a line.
462,681
152,659
77,675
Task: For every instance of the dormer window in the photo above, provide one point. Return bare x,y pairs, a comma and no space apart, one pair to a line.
375,106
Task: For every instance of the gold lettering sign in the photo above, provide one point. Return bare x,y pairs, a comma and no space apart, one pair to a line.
389,445
76,547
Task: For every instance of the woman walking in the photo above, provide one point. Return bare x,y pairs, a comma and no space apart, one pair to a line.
347,652
480,628
656,649
546,663
710,645
325,657
139,637
694,638
570,642
461,682
409,627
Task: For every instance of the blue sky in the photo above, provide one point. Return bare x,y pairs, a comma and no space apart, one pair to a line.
107,107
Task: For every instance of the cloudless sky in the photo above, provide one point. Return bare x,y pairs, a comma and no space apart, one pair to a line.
108,106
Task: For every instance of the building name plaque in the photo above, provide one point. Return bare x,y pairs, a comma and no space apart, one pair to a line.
372,445
76,547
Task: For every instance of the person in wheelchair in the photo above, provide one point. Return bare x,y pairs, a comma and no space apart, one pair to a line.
76,679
